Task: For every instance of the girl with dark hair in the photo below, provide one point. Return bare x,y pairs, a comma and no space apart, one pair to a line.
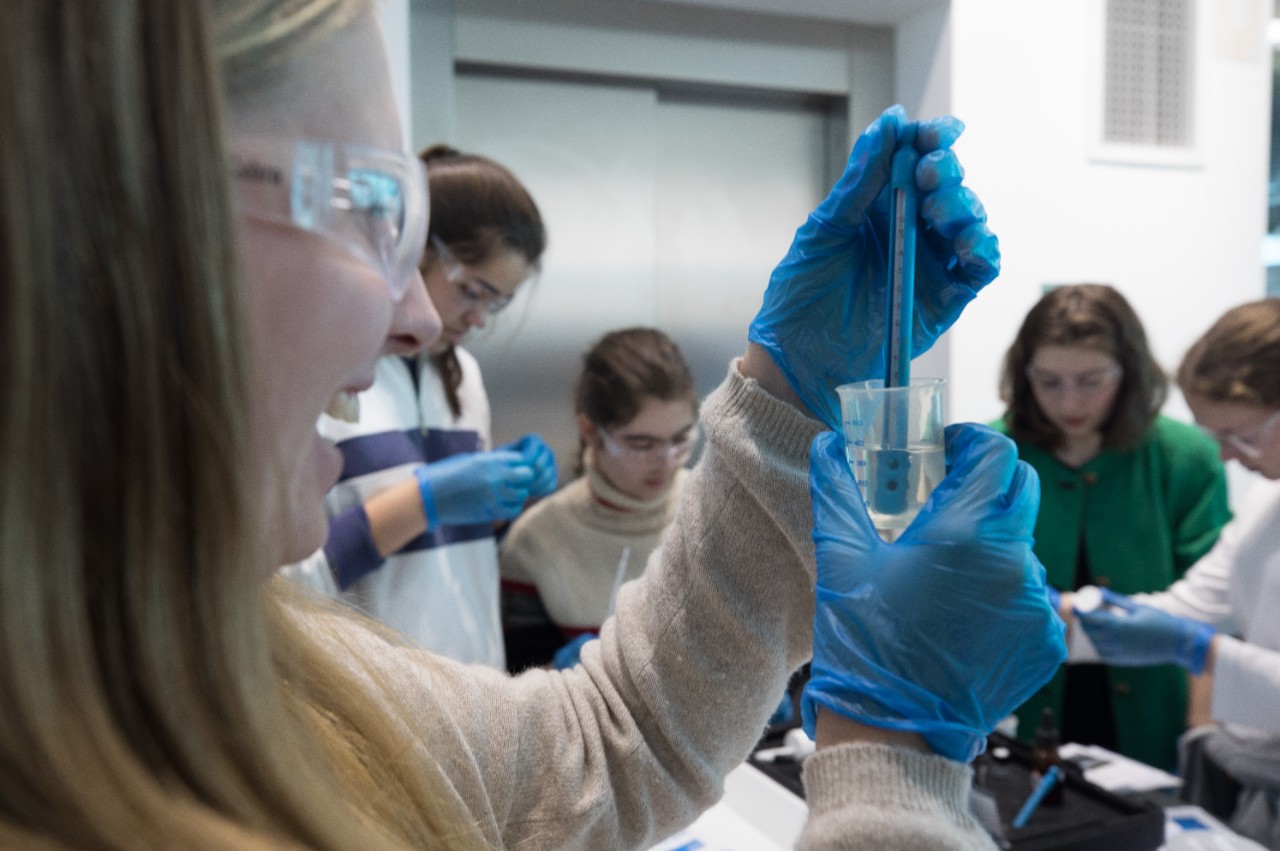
637,415
1129,498
412,535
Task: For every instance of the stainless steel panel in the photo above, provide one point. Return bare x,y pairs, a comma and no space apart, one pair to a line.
662,210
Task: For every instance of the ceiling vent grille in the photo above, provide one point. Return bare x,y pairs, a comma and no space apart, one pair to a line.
1149,73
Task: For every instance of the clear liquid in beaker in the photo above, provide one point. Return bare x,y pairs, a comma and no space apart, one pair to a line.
894,492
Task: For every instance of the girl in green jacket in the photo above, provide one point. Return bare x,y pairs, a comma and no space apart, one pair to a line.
1129,499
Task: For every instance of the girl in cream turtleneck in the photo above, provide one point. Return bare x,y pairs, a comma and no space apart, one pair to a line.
637,415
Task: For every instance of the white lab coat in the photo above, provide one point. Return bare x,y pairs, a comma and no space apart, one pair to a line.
1236,588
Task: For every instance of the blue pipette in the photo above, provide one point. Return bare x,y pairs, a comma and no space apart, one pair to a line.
892,467
1050,779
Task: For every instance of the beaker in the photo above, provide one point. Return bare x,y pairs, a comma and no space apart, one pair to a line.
894,445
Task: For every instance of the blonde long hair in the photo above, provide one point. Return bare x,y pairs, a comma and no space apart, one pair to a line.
152,694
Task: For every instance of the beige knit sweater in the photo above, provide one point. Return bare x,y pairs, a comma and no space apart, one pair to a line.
570,545
633,743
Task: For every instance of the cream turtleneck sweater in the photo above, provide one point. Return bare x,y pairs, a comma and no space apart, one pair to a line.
569,545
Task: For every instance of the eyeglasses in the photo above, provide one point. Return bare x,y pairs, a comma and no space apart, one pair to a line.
643,447
478,293
1252,445
370,201
1086,384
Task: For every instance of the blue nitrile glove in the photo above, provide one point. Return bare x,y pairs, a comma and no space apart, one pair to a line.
478,487
1055,597
947,630
1130,634
568,655
825,311
785,711
541,459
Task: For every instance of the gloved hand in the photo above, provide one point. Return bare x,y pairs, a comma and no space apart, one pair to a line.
478,487
1055,597
1132,635
541,459
568,655
947,630
785,711
825,312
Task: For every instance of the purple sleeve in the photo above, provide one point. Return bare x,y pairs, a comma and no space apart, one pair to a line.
350,550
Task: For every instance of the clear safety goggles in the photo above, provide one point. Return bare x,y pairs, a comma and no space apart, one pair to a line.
1251,445
370,201
637,448
1086,384
476,292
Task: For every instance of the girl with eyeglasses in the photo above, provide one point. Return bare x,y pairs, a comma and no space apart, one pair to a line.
1220,618
414,517
637,416
1129,499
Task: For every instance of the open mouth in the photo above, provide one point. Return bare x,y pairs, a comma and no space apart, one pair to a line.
344,406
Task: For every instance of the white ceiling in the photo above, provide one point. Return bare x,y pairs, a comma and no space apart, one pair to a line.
868,12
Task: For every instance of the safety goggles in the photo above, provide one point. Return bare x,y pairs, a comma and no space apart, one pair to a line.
476,292
1250,445
370,201
637,448
1086,384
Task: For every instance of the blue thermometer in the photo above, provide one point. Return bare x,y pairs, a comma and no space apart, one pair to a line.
902,259
892,466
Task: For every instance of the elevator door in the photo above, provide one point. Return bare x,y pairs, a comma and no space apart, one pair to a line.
662,208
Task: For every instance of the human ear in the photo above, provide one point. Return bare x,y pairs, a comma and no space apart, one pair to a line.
587,431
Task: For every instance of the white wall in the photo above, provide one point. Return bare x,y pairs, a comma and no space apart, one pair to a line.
1181,243
393,15
922,61
922,84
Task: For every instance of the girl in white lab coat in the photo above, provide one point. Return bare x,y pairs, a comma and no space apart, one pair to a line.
412,538
1221,616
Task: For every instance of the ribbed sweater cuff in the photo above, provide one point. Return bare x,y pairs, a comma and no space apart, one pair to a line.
887,778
